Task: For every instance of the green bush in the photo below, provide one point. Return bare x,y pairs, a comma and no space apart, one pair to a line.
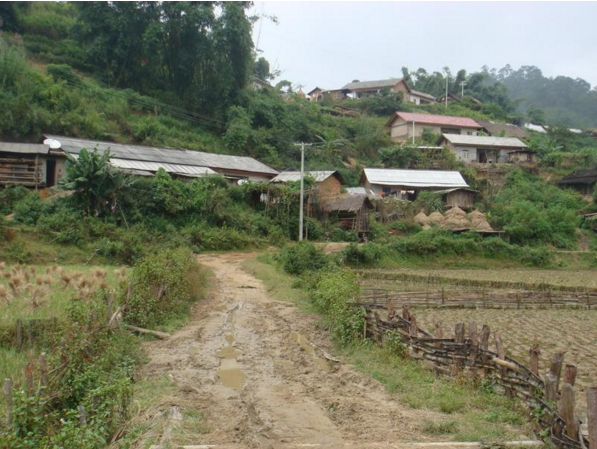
368,254
10,196
332,293
162,285
31,208
300,258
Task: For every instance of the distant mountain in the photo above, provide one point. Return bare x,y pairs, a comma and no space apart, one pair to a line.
566,101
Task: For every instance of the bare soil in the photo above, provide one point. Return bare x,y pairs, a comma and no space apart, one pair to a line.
255,369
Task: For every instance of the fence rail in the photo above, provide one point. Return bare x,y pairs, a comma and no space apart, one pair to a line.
467,353
479,298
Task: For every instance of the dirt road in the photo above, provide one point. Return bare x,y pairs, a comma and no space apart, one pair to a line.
245,363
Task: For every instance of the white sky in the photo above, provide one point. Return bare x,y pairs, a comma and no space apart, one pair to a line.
328,44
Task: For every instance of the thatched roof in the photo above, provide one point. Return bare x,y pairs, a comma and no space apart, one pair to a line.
345,203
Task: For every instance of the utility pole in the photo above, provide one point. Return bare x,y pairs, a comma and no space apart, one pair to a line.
302,193
462,84
446,97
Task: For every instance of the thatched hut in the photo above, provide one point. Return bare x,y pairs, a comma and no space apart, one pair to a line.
352,210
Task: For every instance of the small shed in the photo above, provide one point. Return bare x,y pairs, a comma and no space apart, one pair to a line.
327,182
353,212
582,180
461,197
30,164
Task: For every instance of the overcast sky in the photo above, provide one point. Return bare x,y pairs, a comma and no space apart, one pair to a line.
328,44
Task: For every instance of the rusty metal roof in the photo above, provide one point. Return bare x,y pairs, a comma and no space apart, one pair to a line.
143,153
377,84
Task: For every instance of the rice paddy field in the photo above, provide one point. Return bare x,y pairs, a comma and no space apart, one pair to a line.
578,279
29,292
569,330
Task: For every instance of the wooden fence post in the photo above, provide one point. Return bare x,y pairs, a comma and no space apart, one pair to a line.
551,387
566,411
405,312
8,394
390,307
570,374
556,367
484,345
474,339
459,339
592,416
502,355
534,353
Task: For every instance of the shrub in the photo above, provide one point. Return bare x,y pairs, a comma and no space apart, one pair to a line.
163,285
10,196
300,258
332,294
29,210
367,254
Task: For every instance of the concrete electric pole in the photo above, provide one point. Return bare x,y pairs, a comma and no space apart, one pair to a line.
302,193
462,84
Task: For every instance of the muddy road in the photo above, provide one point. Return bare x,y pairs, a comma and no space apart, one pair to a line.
255,369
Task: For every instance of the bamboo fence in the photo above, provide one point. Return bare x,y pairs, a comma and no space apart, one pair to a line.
484,298
551,397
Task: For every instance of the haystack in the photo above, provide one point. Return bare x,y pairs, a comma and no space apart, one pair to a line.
421,218
426,227
436,218
457,222
482,226
474,215
455,212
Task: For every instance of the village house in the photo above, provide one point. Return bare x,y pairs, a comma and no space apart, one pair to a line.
360,89
30,164
584,181
145,160
502,129
328,183
488,149
407,184
405,126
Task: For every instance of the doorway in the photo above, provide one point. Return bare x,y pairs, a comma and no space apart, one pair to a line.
50,173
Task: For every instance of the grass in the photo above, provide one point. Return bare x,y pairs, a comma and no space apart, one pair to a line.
468,413
471,414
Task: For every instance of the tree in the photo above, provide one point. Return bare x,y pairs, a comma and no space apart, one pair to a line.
536,115
97,185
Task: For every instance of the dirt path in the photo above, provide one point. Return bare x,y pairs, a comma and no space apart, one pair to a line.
243,363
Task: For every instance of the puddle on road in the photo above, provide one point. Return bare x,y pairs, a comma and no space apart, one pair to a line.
304,344
230,373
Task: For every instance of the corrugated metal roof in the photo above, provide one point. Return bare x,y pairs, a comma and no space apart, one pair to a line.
422,94
378,84
485,141
186,170
166,155
319,176
537,128
440,120
415,178
509,130
24,148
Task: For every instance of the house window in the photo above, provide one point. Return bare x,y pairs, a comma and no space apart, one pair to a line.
469,133
386,190
450,131
465,154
